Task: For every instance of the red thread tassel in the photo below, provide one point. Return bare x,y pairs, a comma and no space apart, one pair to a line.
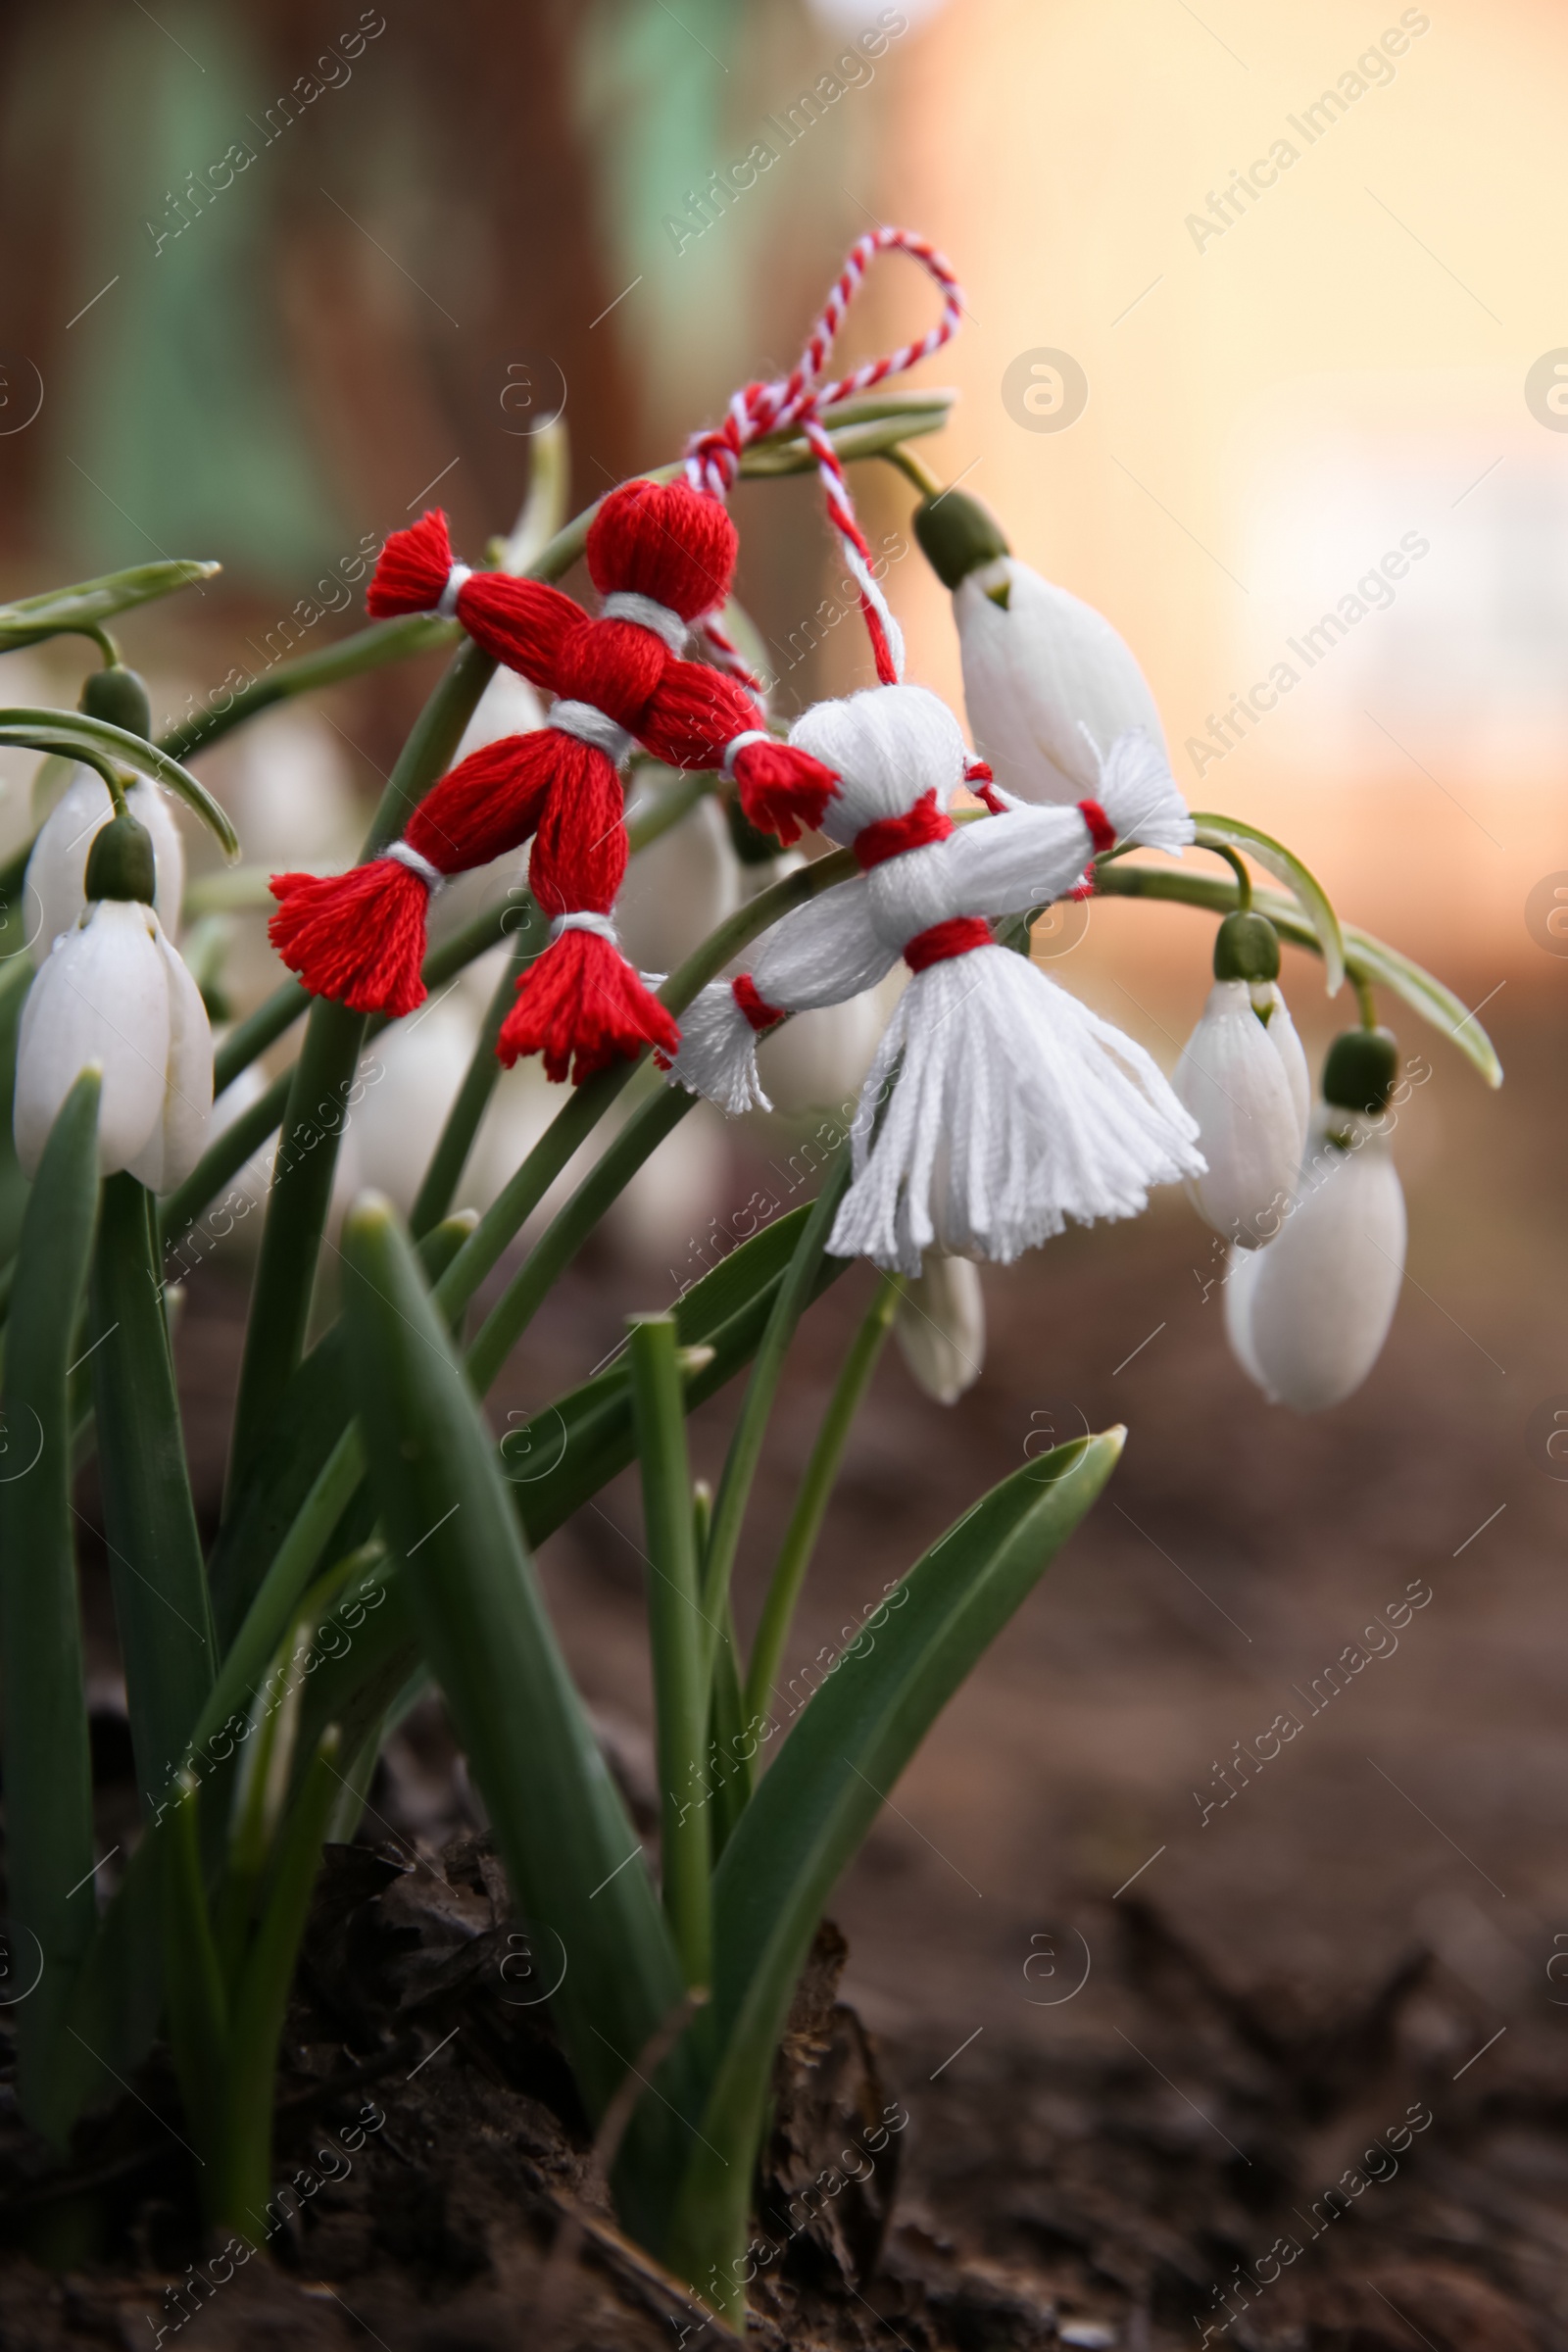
522,623
583,1007
358,936
783,791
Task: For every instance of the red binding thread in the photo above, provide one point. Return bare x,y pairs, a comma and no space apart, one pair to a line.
983,784
890,836
1102,832
760,1014
959,935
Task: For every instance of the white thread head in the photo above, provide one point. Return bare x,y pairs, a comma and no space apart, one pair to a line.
402,855
889,746
446,602
592,725
647,613
584,919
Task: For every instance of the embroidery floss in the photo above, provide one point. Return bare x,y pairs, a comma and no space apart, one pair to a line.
1015,1107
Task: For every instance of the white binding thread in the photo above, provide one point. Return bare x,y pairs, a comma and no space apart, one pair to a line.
446,602
431,875
591,725
647,613
583,919
737,743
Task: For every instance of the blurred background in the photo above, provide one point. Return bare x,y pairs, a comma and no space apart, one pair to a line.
279,276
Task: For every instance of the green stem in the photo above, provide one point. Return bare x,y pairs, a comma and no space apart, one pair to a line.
155,1551
1364,997
567,1231
676,1636
1243,880
302,1183
746,1446
196,2006
810,1503
463,1120
913,471
576,1120
261,1998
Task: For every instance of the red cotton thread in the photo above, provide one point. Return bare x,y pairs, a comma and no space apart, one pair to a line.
668,550
759,1013
890,836
959,935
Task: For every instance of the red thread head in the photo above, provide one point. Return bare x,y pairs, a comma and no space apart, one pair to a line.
759,1013
664,540
411,570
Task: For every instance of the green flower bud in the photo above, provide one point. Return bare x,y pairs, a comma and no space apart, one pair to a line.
957,535
120,863
750,846
1359,1070
1246,947
119,696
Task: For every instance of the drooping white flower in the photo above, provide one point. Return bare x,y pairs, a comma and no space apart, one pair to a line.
115,993
1308,1316
56,887
1048,683
940,1326
1243,1076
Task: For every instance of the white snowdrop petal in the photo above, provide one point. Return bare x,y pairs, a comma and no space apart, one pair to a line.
1036,672
1281,1034
57,870
180,1136
102,996
1326,1290
940,1327
1233,1079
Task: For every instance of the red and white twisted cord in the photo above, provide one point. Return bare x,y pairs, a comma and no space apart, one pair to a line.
712,456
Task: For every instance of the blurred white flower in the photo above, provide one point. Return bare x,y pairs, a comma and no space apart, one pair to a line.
1048,683
940,1326
291,794
115,993
56,886
1308,1316
1243,1076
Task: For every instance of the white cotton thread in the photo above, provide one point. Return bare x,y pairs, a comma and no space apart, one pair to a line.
591,725
647,613
431,875
736,745
584,919
447,601
1015,1109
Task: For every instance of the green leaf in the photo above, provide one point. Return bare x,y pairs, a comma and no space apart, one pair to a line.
815,1806
93,740
155,1551
15,978
90,603
47,1772
1287,867
1386,967
571,1854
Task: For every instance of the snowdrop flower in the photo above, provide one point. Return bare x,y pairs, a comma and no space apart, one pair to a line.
940,1327
57,872
1048,683
1308,1316
115,993
1243,1076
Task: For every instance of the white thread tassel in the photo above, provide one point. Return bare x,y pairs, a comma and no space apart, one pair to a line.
1015,1107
